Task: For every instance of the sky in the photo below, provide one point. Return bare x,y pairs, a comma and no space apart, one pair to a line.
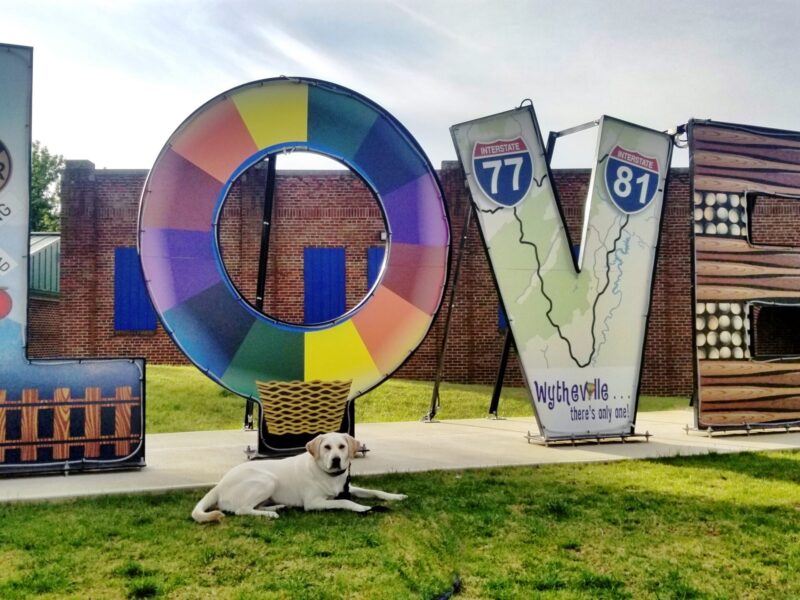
113,80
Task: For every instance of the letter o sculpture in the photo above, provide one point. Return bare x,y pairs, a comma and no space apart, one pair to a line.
201,309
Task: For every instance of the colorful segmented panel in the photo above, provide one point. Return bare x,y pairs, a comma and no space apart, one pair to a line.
199,306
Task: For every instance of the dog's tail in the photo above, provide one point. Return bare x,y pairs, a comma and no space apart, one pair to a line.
201,513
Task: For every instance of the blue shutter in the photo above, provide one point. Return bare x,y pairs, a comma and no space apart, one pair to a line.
502,320
324,284
374,262
132,308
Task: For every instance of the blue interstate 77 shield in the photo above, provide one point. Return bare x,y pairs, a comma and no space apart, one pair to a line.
503,170
631,179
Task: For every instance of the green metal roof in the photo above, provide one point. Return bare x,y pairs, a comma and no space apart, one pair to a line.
44,264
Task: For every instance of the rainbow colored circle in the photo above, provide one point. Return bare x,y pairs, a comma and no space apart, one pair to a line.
191,291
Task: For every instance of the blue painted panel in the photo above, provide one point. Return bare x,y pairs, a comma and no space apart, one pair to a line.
324,284
374,262
338,123
132,308
210,327
387,159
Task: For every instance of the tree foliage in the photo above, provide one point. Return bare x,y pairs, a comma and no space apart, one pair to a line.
46,171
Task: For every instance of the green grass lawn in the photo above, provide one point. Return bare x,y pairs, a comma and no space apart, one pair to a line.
183,399
725,526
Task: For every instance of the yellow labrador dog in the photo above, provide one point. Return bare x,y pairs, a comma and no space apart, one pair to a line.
311,480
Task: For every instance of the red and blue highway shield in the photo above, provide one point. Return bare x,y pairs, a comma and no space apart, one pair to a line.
503,170
631,179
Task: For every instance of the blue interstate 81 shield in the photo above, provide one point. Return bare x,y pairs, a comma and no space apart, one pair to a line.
631,179
503,170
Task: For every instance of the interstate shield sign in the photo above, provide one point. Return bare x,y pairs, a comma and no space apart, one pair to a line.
503,170
631,179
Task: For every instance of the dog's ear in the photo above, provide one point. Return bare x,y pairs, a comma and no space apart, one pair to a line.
353,446
313,446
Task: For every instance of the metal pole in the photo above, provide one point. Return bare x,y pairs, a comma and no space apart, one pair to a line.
554,135
269,200
501,372
261,281
440,363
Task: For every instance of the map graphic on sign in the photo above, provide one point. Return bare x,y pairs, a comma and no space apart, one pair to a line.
503,170
631,179
578,328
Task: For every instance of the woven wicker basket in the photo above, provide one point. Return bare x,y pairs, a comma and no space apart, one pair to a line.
301,407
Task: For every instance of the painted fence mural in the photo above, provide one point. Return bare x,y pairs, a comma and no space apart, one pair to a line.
732,166
54,415
579,324
63,428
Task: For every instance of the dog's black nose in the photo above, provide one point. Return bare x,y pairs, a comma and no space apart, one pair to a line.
336,462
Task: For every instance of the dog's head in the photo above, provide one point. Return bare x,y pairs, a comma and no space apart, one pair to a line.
333,451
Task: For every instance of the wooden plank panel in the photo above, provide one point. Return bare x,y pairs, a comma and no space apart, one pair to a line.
122,421
741,392
92,444
779,283
711,368
2,416
732,268
745,138
746,418
2,426
783,405
717,293
758,179
761,257
714,155
773,379
731,393
711,243
739,186
29,424
61,396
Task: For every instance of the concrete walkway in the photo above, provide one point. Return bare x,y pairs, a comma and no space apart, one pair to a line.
198,459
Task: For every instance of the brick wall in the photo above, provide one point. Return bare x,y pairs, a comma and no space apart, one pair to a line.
322,209
333,208
670,332
44,329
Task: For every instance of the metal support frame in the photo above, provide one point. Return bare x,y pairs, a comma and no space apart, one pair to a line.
757,428
266,223
574,440
435,400
554,135
508,342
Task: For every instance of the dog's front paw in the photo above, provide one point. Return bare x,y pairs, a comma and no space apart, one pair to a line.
396,497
